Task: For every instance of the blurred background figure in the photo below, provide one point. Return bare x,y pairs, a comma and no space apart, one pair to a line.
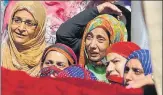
147,33
152,11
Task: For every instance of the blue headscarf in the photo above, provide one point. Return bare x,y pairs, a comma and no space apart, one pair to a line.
143,56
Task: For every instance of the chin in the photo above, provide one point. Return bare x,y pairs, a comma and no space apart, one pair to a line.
94,58
19,42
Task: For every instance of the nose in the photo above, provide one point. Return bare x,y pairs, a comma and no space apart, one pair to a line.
110,67
128,76
22,26
93,44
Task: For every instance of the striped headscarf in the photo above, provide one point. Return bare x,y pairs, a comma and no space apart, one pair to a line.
116,31
143,56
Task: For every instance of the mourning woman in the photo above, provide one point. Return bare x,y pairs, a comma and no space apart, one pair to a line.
91,43
138,72
56,58
116,56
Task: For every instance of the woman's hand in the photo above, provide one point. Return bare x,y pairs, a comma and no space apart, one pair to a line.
109,7
147,80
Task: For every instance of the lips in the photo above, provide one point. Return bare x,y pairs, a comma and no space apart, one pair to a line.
94,54
20,35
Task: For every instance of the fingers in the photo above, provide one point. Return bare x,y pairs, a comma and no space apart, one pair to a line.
112,1
147,80
135,84
110,7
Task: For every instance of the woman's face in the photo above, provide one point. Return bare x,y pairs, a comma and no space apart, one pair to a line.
23,27
97,42
57,59
116,64
133,71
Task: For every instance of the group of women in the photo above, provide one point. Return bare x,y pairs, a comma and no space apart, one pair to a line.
92,45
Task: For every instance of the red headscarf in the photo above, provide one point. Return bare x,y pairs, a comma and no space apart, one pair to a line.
123,48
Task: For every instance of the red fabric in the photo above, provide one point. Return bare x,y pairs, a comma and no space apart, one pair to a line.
19,83
115,79
123,48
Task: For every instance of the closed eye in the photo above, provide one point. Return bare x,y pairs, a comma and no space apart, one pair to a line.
100,38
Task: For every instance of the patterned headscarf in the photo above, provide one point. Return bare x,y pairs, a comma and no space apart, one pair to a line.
116,31
143,56
76,71
63,49
28,58
48,71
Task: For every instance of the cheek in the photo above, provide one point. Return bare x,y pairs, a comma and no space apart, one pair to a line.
13,27
44,65
103,46
136,77
120,68
87,42
32,33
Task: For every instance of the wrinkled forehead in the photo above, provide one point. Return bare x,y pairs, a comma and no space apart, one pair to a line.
101,31
112,55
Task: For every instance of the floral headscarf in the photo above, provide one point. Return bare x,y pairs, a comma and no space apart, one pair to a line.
115,29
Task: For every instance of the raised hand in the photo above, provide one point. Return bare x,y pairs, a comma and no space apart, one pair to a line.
108,7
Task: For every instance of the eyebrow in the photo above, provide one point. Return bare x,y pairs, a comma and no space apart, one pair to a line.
99,36
22,18
134,68
90,33
114,59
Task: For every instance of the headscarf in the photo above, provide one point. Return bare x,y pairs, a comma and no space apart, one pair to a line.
49,71
116,31
28,58
122,48
63,49
76,71
143,56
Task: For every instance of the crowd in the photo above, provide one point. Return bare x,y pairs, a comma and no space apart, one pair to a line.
92,55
